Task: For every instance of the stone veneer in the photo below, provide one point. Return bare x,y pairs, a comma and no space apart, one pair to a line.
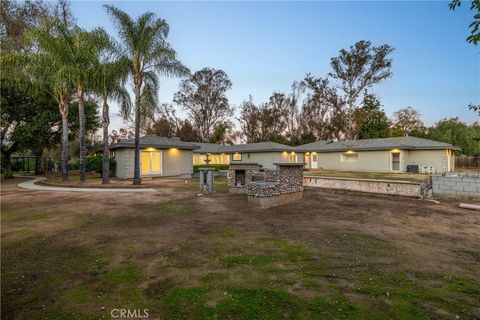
248,169
279,186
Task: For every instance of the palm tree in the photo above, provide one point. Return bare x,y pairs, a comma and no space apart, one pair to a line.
72,53
149,54
110,80
79,53
47,71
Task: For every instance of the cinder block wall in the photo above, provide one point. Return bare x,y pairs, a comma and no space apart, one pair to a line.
462,185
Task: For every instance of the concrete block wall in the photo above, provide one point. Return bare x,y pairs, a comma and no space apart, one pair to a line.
456,185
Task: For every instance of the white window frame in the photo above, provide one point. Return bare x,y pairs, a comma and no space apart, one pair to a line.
399,161
345,157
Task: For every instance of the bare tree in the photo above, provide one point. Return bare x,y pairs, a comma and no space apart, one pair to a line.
203,96
263,122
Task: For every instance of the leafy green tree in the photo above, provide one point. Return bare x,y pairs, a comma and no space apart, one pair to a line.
304,138
162,127
358,69
144,45
187,132
370,120
474,36
109,83
407,122
27,123
203,97
459,134
221,134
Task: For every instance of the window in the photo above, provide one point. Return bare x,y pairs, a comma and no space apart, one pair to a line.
237,157
112,153
292,158
151,162
395,161
349,157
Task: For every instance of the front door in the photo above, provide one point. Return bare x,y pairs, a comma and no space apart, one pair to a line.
314,161
151,163
395,161
307,160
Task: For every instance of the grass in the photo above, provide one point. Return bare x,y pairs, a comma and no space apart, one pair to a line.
369,175
214,257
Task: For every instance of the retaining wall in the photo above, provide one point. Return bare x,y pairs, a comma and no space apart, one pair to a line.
391,187
457,185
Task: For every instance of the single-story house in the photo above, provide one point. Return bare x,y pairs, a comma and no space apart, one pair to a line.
211,152
159,156
264,154
379,155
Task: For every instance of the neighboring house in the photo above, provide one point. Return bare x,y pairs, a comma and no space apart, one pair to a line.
261,153
159,156
379,155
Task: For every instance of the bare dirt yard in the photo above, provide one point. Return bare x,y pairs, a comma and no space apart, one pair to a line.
330,256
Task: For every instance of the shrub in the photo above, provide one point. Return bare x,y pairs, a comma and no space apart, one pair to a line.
217,167
72,165
94,164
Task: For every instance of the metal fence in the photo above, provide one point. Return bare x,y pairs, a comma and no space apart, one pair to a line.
27,164
467,162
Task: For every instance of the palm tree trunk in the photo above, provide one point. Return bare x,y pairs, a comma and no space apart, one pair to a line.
63,106
136,173
81,122
106,150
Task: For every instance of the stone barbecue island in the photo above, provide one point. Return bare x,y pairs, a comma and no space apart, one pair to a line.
268,187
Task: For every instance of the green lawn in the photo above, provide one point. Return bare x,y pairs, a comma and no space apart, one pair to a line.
369,175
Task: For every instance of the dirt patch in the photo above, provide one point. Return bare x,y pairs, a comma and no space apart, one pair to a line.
332,255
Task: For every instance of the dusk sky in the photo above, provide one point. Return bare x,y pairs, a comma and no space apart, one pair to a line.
265,46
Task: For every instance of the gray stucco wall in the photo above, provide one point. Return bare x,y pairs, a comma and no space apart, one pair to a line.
380,161
175,162
432,158
462,185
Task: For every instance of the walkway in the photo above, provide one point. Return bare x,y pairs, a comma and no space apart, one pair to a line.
31,185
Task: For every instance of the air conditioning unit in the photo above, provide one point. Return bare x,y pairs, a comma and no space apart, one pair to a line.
413,168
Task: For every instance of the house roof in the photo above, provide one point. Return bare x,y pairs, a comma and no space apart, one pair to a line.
152,141
257,147
405,143
268,146
208,147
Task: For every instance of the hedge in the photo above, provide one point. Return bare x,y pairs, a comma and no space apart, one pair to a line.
215,166
94,164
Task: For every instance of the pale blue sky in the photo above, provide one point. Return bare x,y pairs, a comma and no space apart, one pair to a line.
265,46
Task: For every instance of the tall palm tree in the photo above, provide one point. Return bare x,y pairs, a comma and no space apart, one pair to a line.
72,54
79,52
110,80
143,43
47,71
